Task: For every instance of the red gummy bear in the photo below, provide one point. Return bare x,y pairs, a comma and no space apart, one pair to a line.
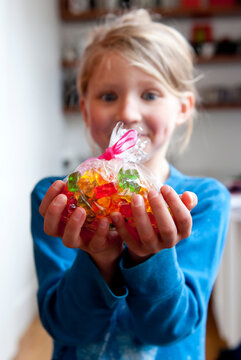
105,190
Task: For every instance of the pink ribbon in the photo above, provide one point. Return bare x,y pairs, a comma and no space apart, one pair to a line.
127,141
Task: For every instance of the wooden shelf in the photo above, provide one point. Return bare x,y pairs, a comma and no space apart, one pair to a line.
219,59
179,12
201,12
69,64
71,110
91,15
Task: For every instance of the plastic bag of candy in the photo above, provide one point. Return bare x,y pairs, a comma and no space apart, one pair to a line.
106,184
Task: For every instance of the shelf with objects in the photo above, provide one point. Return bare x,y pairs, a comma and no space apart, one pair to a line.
214,52
219,59
89,12
209,50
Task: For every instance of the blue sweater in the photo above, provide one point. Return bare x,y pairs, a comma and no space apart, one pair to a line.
161,309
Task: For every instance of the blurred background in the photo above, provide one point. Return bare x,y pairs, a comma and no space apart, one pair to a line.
42,133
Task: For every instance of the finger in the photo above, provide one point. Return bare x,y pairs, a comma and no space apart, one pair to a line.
143,224
189,199
53,215
52,192
121,228
99,240
130,237
114,238
165,223
71,237
180,213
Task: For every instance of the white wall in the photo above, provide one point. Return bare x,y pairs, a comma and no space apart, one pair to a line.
215,146
31,139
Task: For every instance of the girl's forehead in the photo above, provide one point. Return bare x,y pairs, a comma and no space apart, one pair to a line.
114,62
111,59
114,66
110,64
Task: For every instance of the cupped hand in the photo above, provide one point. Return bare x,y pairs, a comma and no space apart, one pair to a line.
103,246
173,218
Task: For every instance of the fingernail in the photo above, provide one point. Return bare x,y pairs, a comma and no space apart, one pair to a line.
58,185
195,200
59,200
77,214
103,223
166,188
153,194
115,217
137,200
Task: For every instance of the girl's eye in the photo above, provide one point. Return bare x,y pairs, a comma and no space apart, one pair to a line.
109,97
149,96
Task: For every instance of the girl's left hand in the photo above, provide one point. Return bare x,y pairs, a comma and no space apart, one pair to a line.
174,225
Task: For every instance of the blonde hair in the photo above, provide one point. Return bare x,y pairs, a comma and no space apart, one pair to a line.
157,49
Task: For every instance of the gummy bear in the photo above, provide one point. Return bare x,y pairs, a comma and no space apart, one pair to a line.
105,190
127,179
72,181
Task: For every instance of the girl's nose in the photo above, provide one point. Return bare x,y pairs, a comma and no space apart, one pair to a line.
129,111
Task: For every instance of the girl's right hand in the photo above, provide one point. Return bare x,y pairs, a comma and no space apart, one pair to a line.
103,246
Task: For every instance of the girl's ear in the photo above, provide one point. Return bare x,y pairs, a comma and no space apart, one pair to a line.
186,108
83,110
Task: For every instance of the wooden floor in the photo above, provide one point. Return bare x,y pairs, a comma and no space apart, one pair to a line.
37,345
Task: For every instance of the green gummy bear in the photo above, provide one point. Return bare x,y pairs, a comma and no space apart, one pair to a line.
134,187
127,179
130,174
72,182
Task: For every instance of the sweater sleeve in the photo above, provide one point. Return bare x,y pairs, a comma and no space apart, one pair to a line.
75,303
169,293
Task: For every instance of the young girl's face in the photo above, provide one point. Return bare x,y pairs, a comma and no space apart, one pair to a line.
118,91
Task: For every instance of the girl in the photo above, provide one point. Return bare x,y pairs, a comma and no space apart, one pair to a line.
146,299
